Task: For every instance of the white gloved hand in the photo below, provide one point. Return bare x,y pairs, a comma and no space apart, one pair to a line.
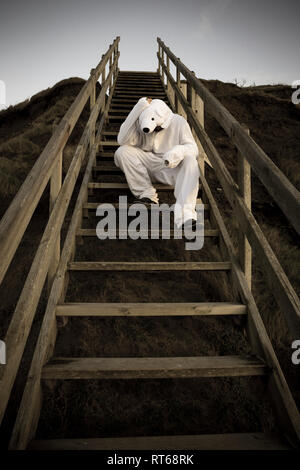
172,159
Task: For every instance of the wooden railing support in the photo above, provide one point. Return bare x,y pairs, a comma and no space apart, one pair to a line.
244,183
273,179
92,104
14,222
276,183
55,185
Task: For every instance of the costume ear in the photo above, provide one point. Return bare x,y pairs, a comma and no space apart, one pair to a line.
167,119
163,111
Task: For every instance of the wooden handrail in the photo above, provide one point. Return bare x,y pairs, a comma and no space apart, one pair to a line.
277,184
24,313
17,217
284,293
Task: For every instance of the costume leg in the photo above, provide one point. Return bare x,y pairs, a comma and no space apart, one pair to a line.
135,162
185,178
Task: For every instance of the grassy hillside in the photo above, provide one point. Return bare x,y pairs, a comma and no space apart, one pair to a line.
26,128
274,123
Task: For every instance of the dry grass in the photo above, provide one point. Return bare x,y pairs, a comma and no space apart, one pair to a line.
156,407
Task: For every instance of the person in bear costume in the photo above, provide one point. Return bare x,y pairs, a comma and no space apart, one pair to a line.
157,145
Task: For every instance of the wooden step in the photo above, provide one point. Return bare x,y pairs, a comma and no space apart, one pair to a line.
109,132
126,108
112,168
148,234
132,101
152,367
137,72
112,185
94,205
149,92
112,117
130,79
236,441
109,143
121,105
105,155
138,91
148,88
134,78
138,76
119,111
144,309
137,96
129,100
149,266
138,79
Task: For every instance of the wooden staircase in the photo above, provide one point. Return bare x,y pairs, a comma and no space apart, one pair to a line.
102,175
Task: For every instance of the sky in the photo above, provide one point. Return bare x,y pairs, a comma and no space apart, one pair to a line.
43,42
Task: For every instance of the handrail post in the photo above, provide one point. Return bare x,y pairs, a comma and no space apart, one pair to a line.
162,70
55,185
168,68
92,104
183,88
197,106
159,66
170,91
244,183
178,84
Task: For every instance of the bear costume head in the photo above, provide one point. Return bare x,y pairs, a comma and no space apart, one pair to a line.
156,115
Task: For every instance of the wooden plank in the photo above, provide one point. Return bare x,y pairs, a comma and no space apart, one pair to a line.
149,266
148,90
275,276
140,87
111,117
109,143
274,180
121,105
236,441
16,218
108,155
125,73
135,98
159,187
150,309
23,315
280,394
284,292
152,367
150,233
244,183
110,168
94,205
27,418
55,186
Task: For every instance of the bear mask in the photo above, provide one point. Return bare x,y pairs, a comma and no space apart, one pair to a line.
157,115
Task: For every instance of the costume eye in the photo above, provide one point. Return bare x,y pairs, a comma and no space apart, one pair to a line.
152,119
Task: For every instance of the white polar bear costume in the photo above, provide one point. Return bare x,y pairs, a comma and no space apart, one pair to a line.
167,156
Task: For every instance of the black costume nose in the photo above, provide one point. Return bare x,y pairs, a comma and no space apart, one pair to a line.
146,129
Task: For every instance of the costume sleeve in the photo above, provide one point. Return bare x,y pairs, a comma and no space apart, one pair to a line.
186,146
128,133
